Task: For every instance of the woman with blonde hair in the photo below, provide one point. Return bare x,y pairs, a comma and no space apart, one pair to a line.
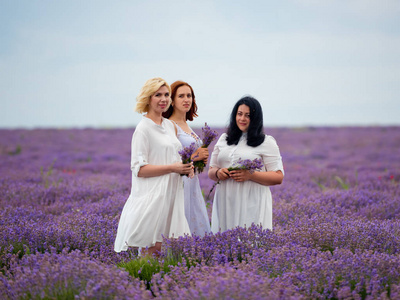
155,207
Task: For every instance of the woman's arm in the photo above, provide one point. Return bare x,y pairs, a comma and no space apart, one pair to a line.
264,178
158,170
272,161
218,174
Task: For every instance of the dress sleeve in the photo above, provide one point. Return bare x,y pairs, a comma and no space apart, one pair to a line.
271,155
139,152
214,155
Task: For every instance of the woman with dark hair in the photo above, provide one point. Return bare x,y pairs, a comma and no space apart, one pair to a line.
183,108
243,196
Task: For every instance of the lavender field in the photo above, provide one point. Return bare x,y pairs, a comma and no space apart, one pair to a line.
336,222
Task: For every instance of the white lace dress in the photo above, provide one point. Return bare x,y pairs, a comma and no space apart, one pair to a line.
155,207
243,203
195,208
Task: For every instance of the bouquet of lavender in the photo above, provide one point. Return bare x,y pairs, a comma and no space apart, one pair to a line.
186,153
247,164
208,136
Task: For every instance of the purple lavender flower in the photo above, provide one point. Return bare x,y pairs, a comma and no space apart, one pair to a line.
336,221
186,153
209,135
247,164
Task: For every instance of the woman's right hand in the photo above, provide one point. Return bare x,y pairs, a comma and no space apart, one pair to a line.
222,174
181,168
201,154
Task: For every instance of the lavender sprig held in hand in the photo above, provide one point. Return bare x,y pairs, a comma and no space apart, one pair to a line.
208,136
247,164
186,153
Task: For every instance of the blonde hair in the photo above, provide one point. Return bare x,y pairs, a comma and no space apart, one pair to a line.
149,89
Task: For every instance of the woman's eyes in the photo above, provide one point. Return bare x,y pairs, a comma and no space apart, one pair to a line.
241,114
182,95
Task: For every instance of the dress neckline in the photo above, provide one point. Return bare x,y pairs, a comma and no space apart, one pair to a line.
192,133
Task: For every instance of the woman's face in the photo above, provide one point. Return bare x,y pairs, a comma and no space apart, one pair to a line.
183,99
243,117
159,102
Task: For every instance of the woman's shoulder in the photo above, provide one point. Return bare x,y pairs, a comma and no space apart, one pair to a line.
169,124
222,138
168,121
145,127
221,142
141,126
269,141
269,138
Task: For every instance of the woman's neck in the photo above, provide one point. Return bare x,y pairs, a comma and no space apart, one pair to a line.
178,117
155,117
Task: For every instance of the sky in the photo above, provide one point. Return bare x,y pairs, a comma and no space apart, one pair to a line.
78,64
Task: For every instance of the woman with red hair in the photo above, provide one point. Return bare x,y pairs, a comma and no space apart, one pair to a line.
182,109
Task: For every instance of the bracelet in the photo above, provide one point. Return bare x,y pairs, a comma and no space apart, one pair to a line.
216,173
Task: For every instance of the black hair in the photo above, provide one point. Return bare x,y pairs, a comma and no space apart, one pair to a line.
255,134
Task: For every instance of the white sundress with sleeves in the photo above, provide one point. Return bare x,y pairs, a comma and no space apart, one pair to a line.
195,208
243,203
155,207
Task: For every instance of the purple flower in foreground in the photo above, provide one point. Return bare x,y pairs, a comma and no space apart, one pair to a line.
208,136
68,275
247,164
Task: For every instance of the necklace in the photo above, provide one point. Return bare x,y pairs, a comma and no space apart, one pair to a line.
192,133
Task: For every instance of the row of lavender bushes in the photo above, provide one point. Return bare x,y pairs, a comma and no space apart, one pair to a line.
336,222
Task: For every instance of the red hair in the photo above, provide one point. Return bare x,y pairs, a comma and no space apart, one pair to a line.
192,113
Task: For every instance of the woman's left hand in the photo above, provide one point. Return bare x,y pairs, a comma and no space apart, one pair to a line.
201,154
191,174
240,175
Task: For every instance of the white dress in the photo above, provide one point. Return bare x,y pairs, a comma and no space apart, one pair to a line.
243,203
195,208
155,207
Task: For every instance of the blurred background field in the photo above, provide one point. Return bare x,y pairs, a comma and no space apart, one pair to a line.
336,221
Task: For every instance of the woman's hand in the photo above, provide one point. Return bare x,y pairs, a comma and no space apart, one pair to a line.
218,174
191,174
240,175
201,154
222,174
183,169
